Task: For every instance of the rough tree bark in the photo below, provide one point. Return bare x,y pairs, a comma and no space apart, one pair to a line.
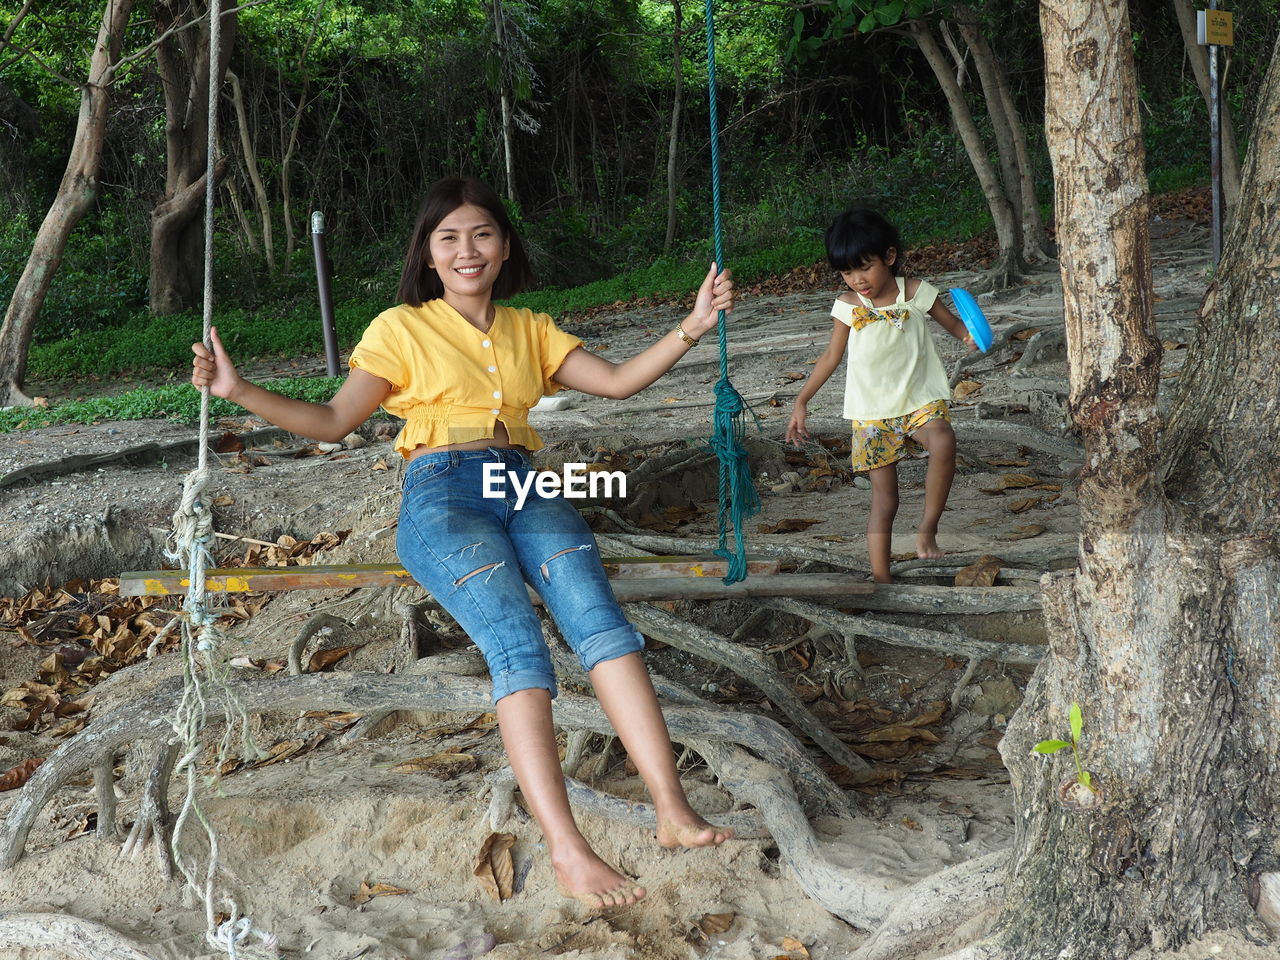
75,195
1165,635
177,229
1008,266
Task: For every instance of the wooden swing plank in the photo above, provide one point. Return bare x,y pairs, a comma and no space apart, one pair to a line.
340,576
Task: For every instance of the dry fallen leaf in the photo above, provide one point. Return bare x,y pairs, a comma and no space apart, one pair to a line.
1013,481
1172,345
1018,506
228,443
368,891
282,751
16,776
380,465
911,824
714,923
795,947
443,766
1005,462
966,388
493,867
322,659
981,573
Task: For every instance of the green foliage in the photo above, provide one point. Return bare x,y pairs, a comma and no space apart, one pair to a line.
1076,719
179,402
151,344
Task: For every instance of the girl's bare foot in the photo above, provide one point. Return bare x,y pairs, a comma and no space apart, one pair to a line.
690,830
593,883
927,545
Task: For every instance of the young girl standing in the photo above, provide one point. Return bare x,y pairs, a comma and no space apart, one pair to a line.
896,391
463,372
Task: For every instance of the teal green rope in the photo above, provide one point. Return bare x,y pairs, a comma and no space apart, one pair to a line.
737,495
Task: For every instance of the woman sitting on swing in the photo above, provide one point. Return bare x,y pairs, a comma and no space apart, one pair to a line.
463,372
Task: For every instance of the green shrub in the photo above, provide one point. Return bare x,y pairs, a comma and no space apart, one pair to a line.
180,402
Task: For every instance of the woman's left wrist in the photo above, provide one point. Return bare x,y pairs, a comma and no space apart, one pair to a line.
695,327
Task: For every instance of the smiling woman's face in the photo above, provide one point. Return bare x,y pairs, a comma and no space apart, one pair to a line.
467,250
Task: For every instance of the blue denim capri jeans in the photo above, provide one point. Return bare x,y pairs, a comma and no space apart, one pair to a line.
474,554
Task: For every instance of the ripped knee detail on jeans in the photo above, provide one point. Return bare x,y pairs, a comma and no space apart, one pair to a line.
546,573
488,568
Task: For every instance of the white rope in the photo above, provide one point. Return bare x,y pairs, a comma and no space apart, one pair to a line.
206,671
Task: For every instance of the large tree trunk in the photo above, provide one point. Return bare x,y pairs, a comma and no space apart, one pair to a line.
75,195
1199,57
1009,265
177,229
1166,634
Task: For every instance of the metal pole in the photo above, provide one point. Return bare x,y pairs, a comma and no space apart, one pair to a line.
326,294
1215,147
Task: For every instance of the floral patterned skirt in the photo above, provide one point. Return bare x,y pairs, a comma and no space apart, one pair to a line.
878,443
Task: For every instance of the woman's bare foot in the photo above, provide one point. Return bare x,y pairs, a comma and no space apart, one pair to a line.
690,830
927,545
593,883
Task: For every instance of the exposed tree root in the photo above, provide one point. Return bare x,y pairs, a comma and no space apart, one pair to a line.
70,936
1041,559
322,624
1042,341
502,785
935,641
929,910
1010,433
1001,342
154,819
364,692
677,546
748,664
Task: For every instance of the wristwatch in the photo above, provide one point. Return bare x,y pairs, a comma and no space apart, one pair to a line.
691,341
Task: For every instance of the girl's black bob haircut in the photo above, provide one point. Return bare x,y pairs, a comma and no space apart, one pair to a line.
857,235
420,282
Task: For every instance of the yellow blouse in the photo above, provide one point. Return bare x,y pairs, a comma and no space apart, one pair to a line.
451,383
893,367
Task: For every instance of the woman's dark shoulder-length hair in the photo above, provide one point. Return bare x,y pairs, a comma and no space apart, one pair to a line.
419,282
857,235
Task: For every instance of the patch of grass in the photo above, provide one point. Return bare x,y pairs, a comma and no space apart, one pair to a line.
669,278
157,344
178,402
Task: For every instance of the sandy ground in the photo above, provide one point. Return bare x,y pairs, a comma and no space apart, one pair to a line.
301,836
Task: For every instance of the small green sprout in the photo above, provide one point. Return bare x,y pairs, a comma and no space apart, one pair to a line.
1053,746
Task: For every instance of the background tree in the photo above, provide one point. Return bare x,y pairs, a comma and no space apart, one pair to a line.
75,194
177,228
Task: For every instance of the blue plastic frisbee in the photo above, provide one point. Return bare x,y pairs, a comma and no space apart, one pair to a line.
972,316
